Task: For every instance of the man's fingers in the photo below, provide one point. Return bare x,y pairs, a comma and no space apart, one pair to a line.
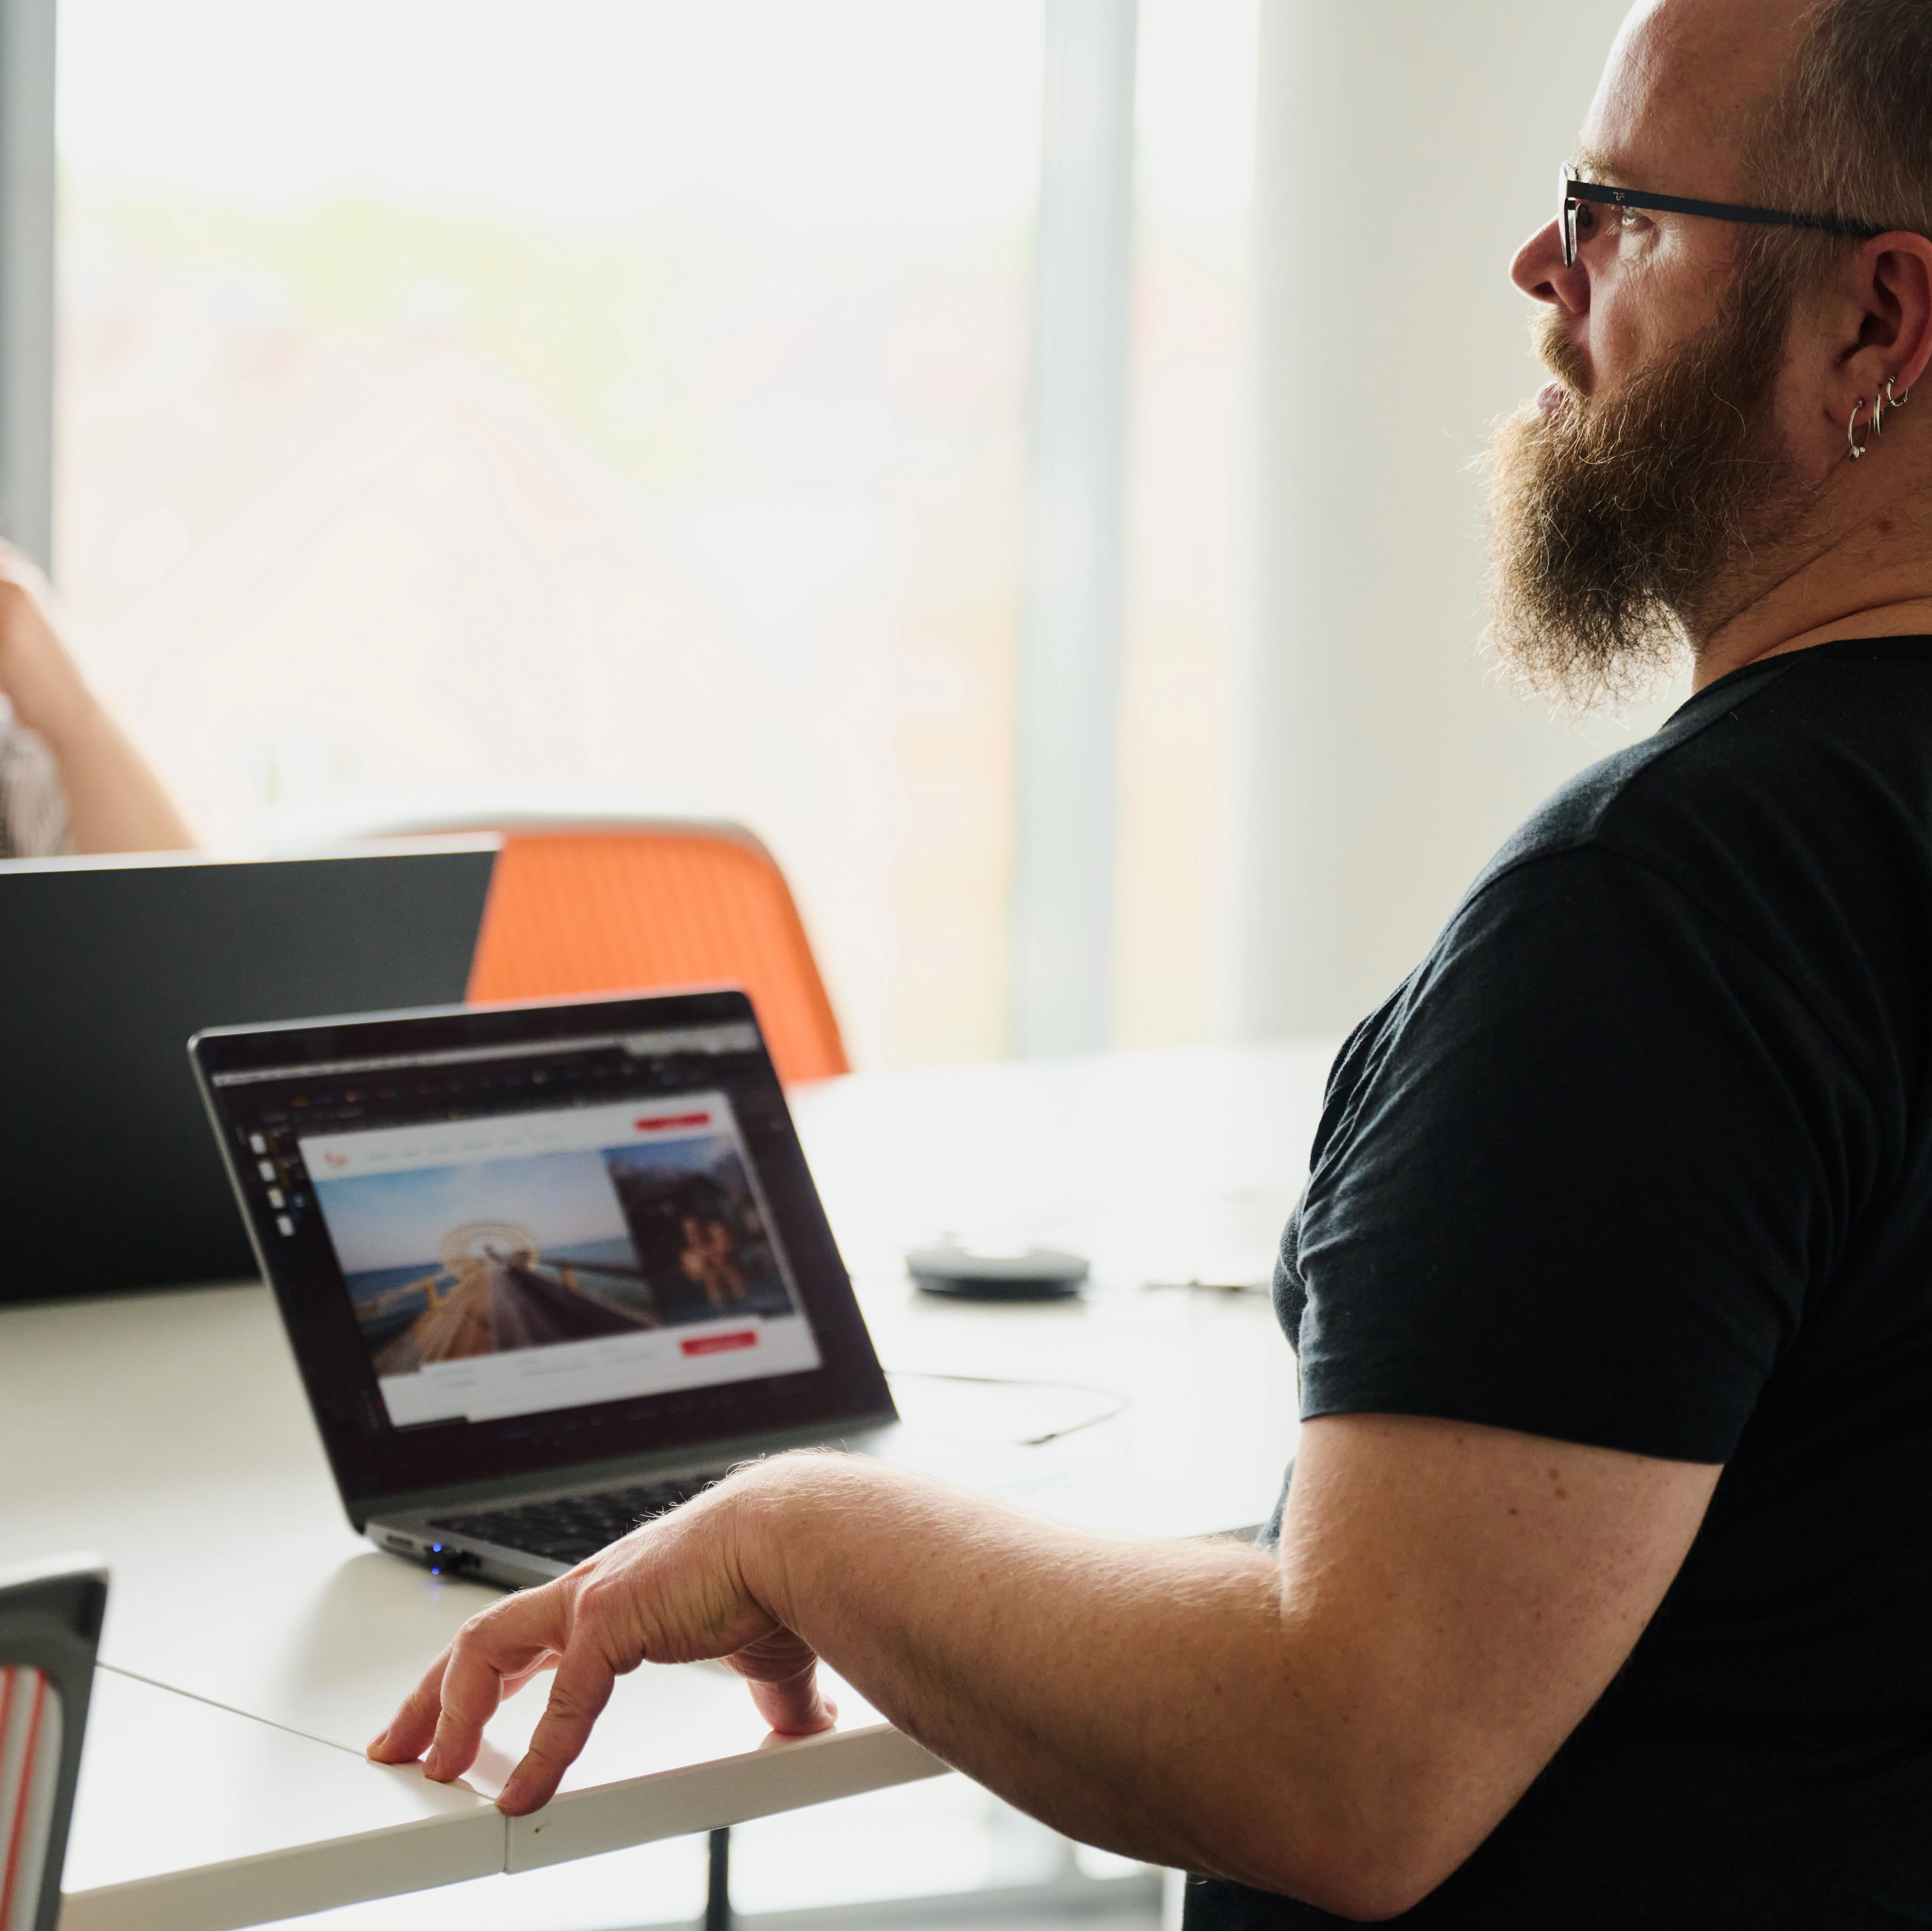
783,1672
582,1686
499,1652
493,1654
414,1724
795,1707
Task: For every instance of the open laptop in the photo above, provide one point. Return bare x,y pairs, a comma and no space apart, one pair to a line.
548,1268
107,964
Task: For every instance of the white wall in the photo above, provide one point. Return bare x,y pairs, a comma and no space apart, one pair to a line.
1405,148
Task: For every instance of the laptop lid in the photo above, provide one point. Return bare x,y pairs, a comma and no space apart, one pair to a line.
533,1239
108,964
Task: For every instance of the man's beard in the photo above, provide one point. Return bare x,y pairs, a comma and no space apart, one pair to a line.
1620,526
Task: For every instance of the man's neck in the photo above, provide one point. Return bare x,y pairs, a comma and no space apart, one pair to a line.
1860,565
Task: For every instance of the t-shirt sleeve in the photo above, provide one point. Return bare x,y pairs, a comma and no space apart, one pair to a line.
1580,1177
33,806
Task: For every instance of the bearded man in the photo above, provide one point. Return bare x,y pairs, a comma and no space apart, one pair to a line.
1602,1593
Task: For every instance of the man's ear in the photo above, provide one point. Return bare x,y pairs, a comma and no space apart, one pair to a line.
1895,339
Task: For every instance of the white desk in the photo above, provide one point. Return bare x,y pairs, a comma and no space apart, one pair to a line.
253,1643
195,1816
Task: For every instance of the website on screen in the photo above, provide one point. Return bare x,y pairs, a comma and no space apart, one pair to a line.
530,1261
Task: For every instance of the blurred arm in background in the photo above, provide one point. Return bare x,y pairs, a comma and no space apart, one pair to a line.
70,780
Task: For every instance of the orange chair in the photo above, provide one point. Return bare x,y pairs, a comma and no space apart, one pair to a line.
581,908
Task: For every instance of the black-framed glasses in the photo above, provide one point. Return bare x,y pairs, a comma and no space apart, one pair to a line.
1573,191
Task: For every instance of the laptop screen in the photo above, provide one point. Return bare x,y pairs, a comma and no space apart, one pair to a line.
502,1264
529,1237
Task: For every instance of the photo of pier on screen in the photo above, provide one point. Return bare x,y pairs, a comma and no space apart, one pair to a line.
527,1244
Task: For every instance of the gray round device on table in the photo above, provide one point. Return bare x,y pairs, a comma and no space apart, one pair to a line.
969,1274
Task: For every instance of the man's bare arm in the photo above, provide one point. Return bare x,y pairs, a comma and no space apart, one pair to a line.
1344,1725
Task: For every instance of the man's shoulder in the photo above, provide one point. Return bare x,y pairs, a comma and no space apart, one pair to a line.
1620,796
1829,748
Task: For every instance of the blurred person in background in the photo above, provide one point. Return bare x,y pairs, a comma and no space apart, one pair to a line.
71,781
1600,1594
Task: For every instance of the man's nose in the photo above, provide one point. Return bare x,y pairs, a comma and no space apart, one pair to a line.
1538,271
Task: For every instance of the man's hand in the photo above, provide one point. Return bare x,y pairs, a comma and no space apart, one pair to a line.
671,1591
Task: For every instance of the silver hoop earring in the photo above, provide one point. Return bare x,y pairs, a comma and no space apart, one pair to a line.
1892,401
1858,448
1877,417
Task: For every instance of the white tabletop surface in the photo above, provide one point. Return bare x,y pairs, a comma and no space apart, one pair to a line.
168,1433
189,1816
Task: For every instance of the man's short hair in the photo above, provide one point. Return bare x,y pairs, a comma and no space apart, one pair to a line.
1850,132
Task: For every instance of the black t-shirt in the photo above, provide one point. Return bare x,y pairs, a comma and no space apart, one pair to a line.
1641,1155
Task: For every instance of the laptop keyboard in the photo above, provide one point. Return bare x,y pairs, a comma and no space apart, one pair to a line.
566,1528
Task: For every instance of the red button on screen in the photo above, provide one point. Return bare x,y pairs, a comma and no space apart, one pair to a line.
669,1119
721,1344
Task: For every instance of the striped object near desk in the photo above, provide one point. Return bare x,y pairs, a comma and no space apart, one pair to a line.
30,1754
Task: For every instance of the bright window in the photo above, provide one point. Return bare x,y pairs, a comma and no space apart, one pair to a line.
468,405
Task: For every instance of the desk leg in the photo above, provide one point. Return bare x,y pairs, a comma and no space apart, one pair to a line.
718,1891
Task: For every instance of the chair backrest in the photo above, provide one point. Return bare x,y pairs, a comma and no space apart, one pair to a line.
615,908
49,1628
